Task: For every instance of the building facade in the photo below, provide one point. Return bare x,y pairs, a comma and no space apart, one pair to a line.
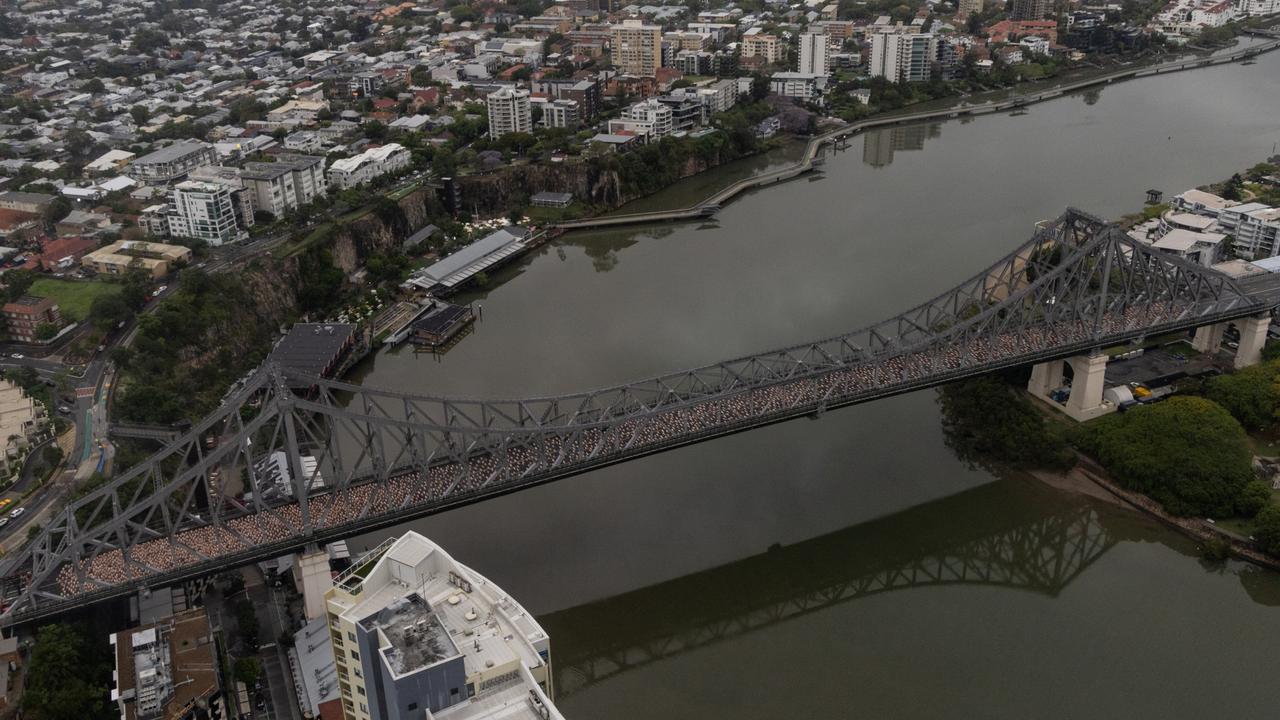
815,54
903,57
123,256
509,112
24,316
769,48
172,163
202,211
637,47
370,164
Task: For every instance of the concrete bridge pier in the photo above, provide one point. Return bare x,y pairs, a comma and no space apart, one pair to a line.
1045,378
1253,335
1208,337
1087,384
311,568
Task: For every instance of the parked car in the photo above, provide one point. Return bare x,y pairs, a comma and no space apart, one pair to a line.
17,356
16,513
64,409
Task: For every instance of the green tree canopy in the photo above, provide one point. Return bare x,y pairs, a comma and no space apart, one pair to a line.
1251,395
58,687
1187,453
988,420
1267,530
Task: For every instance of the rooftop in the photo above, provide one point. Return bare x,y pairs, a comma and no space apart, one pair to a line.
170,153
417,639
312,347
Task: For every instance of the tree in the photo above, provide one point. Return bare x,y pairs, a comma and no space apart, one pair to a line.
46,331
58,688
140,114
109,310
247,621
58,208
1231,190
988,420
1267,529
1255,496
17,282
246,670
137,287
1187,453
1251,395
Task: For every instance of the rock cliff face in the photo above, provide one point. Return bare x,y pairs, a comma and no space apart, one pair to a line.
495,193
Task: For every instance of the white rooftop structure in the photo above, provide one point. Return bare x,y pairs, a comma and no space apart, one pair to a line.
422,619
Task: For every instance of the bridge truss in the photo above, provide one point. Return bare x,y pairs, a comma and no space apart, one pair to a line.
291,460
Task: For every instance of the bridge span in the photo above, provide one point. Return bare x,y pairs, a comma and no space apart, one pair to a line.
293,460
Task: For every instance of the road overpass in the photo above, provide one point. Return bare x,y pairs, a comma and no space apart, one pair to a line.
338,460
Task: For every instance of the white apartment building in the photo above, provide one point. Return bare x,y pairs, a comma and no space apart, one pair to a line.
802,86
815,54
903,57
509,112
648,118
1256,228
370,164
1254,8
203,211
637,47
417,634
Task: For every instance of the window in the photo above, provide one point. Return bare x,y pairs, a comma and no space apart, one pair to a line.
357,672
355,655
412,707
360,689
351,636
364,708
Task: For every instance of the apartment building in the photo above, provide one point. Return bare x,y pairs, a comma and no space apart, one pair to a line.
637,47
557,113
172,163
202,211
903,57
286,184
24,316
417,634
815,54
649,119
370,164
509,112
769,48
21,417
122,256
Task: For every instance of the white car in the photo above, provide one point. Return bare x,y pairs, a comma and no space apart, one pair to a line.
16,513
17,356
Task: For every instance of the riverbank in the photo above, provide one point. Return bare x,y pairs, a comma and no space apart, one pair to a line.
1195,528
812,156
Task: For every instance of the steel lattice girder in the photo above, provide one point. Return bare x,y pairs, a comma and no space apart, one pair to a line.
1079,283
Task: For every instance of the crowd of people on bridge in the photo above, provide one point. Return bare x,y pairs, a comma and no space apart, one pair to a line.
524,456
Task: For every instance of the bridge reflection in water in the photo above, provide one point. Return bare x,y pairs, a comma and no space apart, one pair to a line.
1038,540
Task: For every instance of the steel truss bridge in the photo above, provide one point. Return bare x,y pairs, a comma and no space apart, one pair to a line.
323,459
953,541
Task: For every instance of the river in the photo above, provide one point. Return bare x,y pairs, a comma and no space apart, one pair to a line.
655,578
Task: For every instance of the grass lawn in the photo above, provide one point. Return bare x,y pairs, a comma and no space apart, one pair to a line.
74,296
